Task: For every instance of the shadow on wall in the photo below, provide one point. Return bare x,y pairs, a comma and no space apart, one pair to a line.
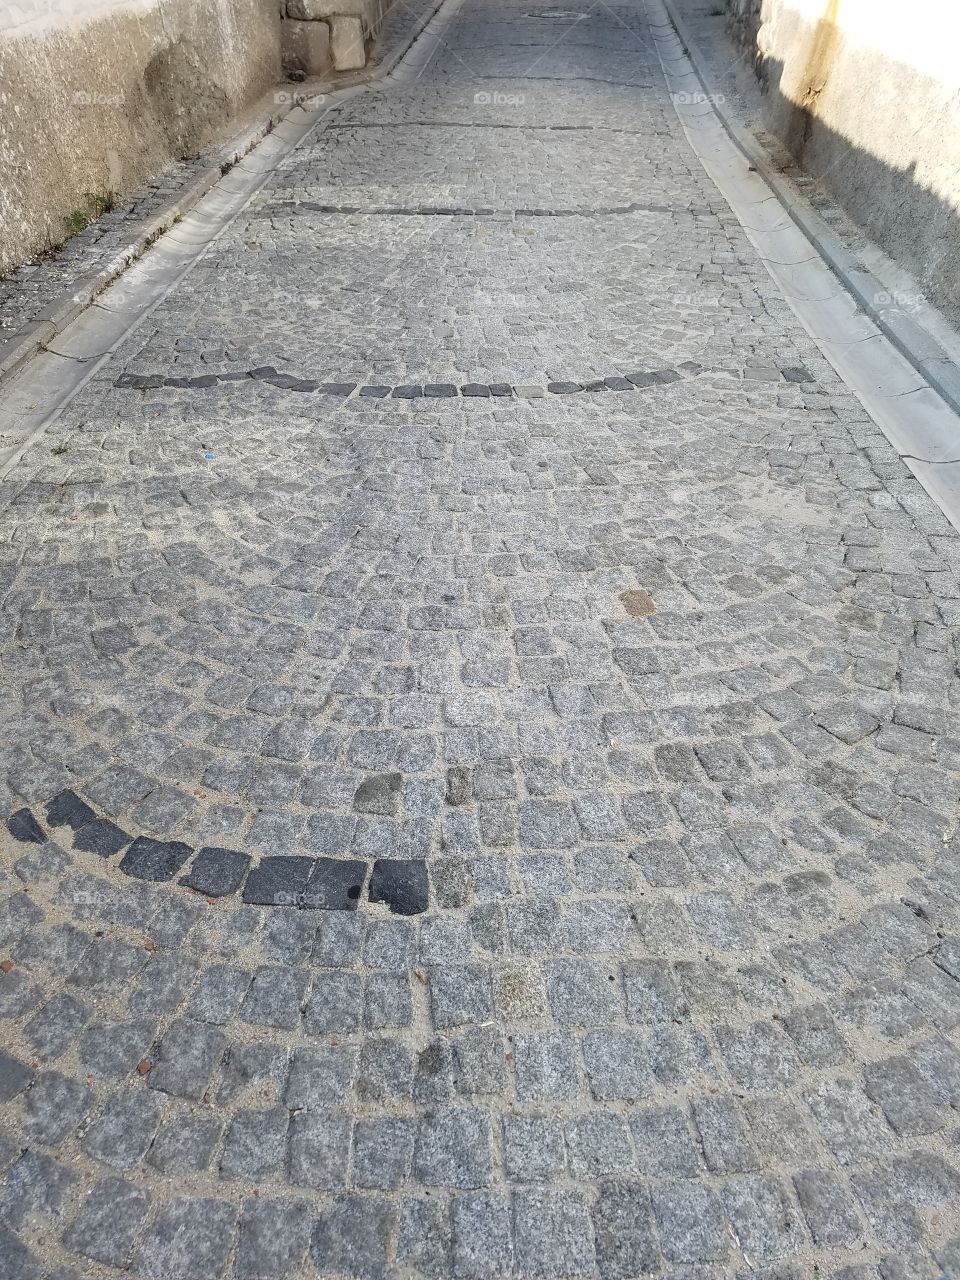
183,97
817,65
880,133
94,105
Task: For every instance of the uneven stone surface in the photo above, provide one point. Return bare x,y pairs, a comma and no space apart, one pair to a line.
568,781
52,277
347,42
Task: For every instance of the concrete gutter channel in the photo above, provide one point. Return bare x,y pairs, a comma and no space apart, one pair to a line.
54,318
42,387
905,379
37,333
936,358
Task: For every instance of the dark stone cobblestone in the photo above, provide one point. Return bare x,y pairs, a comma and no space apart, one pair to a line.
330,884
480,831
415,391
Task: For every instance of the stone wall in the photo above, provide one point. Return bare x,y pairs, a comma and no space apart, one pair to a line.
866,95
743,19
96,96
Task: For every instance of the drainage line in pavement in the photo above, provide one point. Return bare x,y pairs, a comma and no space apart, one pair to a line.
619,84
459,211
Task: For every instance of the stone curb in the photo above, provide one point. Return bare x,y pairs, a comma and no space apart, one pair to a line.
32,336
921,424
911,339
55,317
43,386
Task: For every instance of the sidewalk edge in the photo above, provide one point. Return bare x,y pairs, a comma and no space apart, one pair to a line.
911,339
33,335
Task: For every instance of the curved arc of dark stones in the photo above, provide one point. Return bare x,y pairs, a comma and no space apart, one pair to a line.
304,882
638,379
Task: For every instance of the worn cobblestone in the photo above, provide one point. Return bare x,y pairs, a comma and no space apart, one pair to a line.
501,833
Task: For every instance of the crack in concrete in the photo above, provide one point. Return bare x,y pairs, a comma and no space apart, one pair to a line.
929,462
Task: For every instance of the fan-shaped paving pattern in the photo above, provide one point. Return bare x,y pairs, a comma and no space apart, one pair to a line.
658,688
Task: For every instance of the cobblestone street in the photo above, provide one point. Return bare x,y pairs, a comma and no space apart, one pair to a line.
479,734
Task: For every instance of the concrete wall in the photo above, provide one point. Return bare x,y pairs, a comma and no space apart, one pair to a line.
866,94
98,95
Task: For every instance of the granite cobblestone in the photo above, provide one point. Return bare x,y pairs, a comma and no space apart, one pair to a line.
501,833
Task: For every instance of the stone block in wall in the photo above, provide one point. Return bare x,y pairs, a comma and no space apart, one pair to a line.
308,10
370,11
306,47
347,43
